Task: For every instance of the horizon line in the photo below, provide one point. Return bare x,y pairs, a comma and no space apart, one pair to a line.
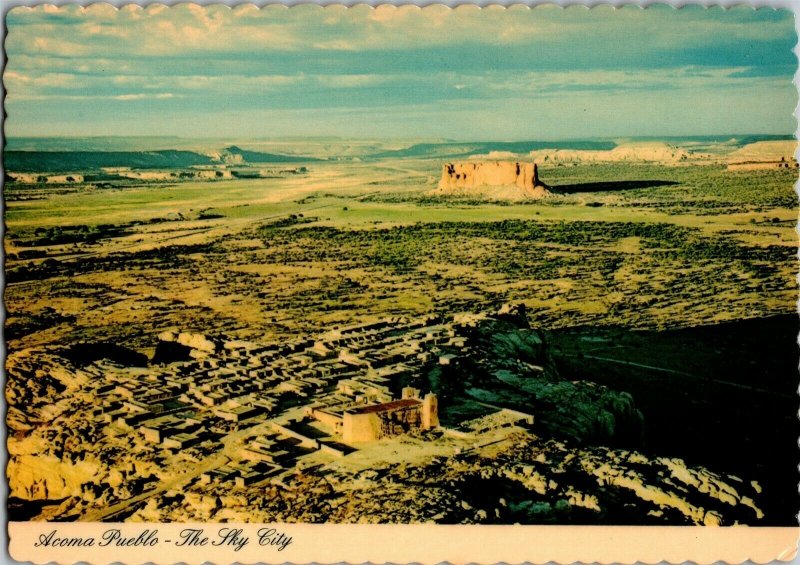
734,135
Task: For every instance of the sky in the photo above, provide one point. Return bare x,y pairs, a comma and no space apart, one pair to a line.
399,72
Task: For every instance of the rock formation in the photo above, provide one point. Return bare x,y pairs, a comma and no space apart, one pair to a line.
172,346
764,155
520,479
646,152
498,179
764,151
506,362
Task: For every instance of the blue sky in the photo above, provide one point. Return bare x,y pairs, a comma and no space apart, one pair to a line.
504,74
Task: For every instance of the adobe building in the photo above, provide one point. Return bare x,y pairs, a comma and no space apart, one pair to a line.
371,422
376,421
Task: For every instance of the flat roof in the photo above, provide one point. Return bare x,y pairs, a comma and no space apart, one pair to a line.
386,406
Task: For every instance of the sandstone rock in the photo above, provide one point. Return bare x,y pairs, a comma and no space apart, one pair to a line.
765,151
712,519
583,500
167,336
510,180
43,477
196,341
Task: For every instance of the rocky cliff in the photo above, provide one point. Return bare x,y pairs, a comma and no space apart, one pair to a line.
498,179
518,479
505,362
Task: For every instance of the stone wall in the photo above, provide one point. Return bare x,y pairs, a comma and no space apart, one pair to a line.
358,428
430,412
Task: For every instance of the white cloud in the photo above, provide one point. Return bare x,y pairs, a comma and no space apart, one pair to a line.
102,30
15,97
490,86
143,96
16,79
312,56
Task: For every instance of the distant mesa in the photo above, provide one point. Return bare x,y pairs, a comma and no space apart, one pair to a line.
786,162
503,180
234,155
644,152
69,162
776,154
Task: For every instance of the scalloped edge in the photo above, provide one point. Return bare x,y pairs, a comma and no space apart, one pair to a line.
636,536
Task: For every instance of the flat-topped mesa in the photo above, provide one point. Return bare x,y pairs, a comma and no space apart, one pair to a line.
476,177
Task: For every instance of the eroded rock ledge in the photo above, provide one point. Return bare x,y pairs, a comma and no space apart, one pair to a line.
511,180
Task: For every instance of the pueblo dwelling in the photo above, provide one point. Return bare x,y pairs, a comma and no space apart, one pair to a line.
362,423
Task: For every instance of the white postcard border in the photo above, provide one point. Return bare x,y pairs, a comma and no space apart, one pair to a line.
39,542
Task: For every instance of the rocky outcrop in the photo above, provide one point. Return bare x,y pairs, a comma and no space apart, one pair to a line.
39,384
505,362
520,479
764,151
499,179
198,345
